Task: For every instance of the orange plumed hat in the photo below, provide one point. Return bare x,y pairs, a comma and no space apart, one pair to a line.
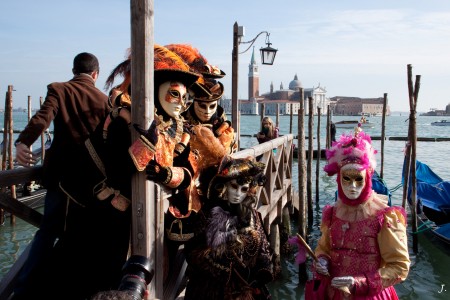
167,66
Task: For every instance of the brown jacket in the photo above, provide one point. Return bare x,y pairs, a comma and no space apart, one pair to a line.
76,108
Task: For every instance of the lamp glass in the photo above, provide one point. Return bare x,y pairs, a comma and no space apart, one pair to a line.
268,55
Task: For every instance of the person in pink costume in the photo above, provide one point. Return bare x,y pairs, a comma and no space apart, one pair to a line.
363,246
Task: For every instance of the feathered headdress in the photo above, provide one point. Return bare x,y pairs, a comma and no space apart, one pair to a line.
351,148
196,60
167,66
198,63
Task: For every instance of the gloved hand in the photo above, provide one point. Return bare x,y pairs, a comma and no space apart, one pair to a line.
344,283
157,173
151,134
322,266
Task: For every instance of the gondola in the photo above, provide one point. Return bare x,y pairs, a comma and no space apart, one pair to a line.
433,202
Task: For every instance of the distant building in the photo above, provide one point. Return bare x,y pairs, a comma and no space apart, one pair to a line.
283,100
437,112
354,106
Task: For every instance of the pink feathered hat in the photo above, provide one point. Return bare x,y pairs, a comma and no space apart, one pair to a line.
351,148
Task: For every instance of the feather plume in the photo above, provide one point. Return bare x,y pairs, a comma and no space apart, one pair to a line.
221,229
166,59
190,55
123,69
351,148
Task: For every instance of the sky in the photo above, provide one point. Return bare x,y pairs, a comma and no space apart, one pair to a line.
350,47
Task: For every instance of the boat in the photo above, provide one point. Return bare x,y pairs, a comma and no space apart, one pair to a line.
441,123
354,123
433,202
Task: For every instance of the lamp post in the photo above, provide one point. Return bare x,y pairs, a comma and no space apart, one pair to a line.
267,58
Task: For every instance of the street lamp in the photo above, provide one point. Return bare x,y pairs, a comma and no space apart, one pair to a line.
267,58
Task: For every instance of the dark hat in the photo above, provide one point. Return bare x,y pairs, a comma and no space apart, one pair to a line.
244,169
215,90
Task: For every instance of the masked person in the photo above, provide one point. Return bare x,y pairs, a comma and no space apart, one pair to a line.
232,259
363,246
206,109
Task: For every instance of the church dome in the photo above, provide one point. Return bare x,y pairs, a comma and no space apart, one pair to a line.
295,84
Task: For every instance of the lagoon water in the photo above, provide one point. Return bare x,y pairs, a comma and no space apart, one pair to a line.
429,277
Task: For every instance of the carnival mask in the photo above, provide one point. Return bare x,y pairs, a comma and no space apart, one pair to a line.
205,110
353,180
236,192
173,97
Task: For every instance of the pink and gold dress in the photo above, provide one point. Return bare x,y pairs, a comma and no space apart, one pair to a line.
367,242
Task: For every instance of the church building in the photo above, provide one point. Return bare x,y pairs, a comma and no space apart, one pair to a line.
282,100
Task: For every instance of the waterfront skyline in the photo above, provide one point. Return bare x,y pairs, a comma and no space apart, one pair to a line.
350,47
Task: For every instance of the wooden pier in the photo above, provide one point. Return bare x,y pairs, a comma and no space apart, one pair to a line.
275,201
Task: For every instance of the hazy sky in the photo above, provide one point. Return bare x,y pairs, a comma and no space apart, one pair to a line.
351,47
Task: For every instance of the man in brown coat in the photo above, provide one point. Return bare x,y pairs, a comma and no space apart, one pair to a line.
76,108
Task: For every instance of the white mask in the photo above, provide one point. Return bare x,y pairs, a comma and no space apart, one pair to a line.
352,180
172,96
205,110
236,193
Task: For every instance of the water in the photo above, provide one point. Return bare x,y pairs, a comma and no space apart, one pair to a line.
429,277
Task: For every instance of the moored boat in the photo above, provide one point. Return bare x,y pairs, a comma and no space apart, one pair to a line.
433,202
353,124
441,123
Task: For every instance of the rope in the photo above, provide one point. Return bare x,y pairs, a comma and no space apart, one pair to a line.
424,224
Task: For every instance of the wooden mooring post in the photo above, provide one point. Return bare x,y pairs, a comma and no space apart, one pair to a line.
383,133
310,159
319,113
410,168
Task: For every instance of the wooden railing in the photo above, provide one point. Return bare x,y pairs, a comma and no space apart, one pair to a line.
274,198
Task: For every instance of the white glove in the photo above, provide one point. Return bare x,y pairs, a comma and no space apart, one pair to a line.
322,266
344,283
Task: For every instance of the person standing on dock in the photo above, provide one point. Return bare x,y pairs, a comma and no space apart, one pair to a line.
363,248
76,108
269,130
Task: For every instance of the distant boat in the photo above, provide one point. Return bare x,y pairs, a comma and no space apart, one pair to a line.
353,124
441,123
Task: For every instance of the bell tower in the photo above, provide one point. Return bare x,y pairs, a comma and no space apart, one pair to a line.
253,78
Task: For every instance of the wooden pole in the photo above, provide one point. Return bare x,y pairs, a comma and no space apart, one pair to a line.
328,137
310,159
9,116
383,134
263,109
291,118
278,116
5,142
302,175
234,84
413,95
318,155
147,218
41,101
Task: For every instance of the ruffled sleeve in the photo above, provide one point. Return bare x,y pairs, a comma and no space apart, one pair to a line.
394,247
